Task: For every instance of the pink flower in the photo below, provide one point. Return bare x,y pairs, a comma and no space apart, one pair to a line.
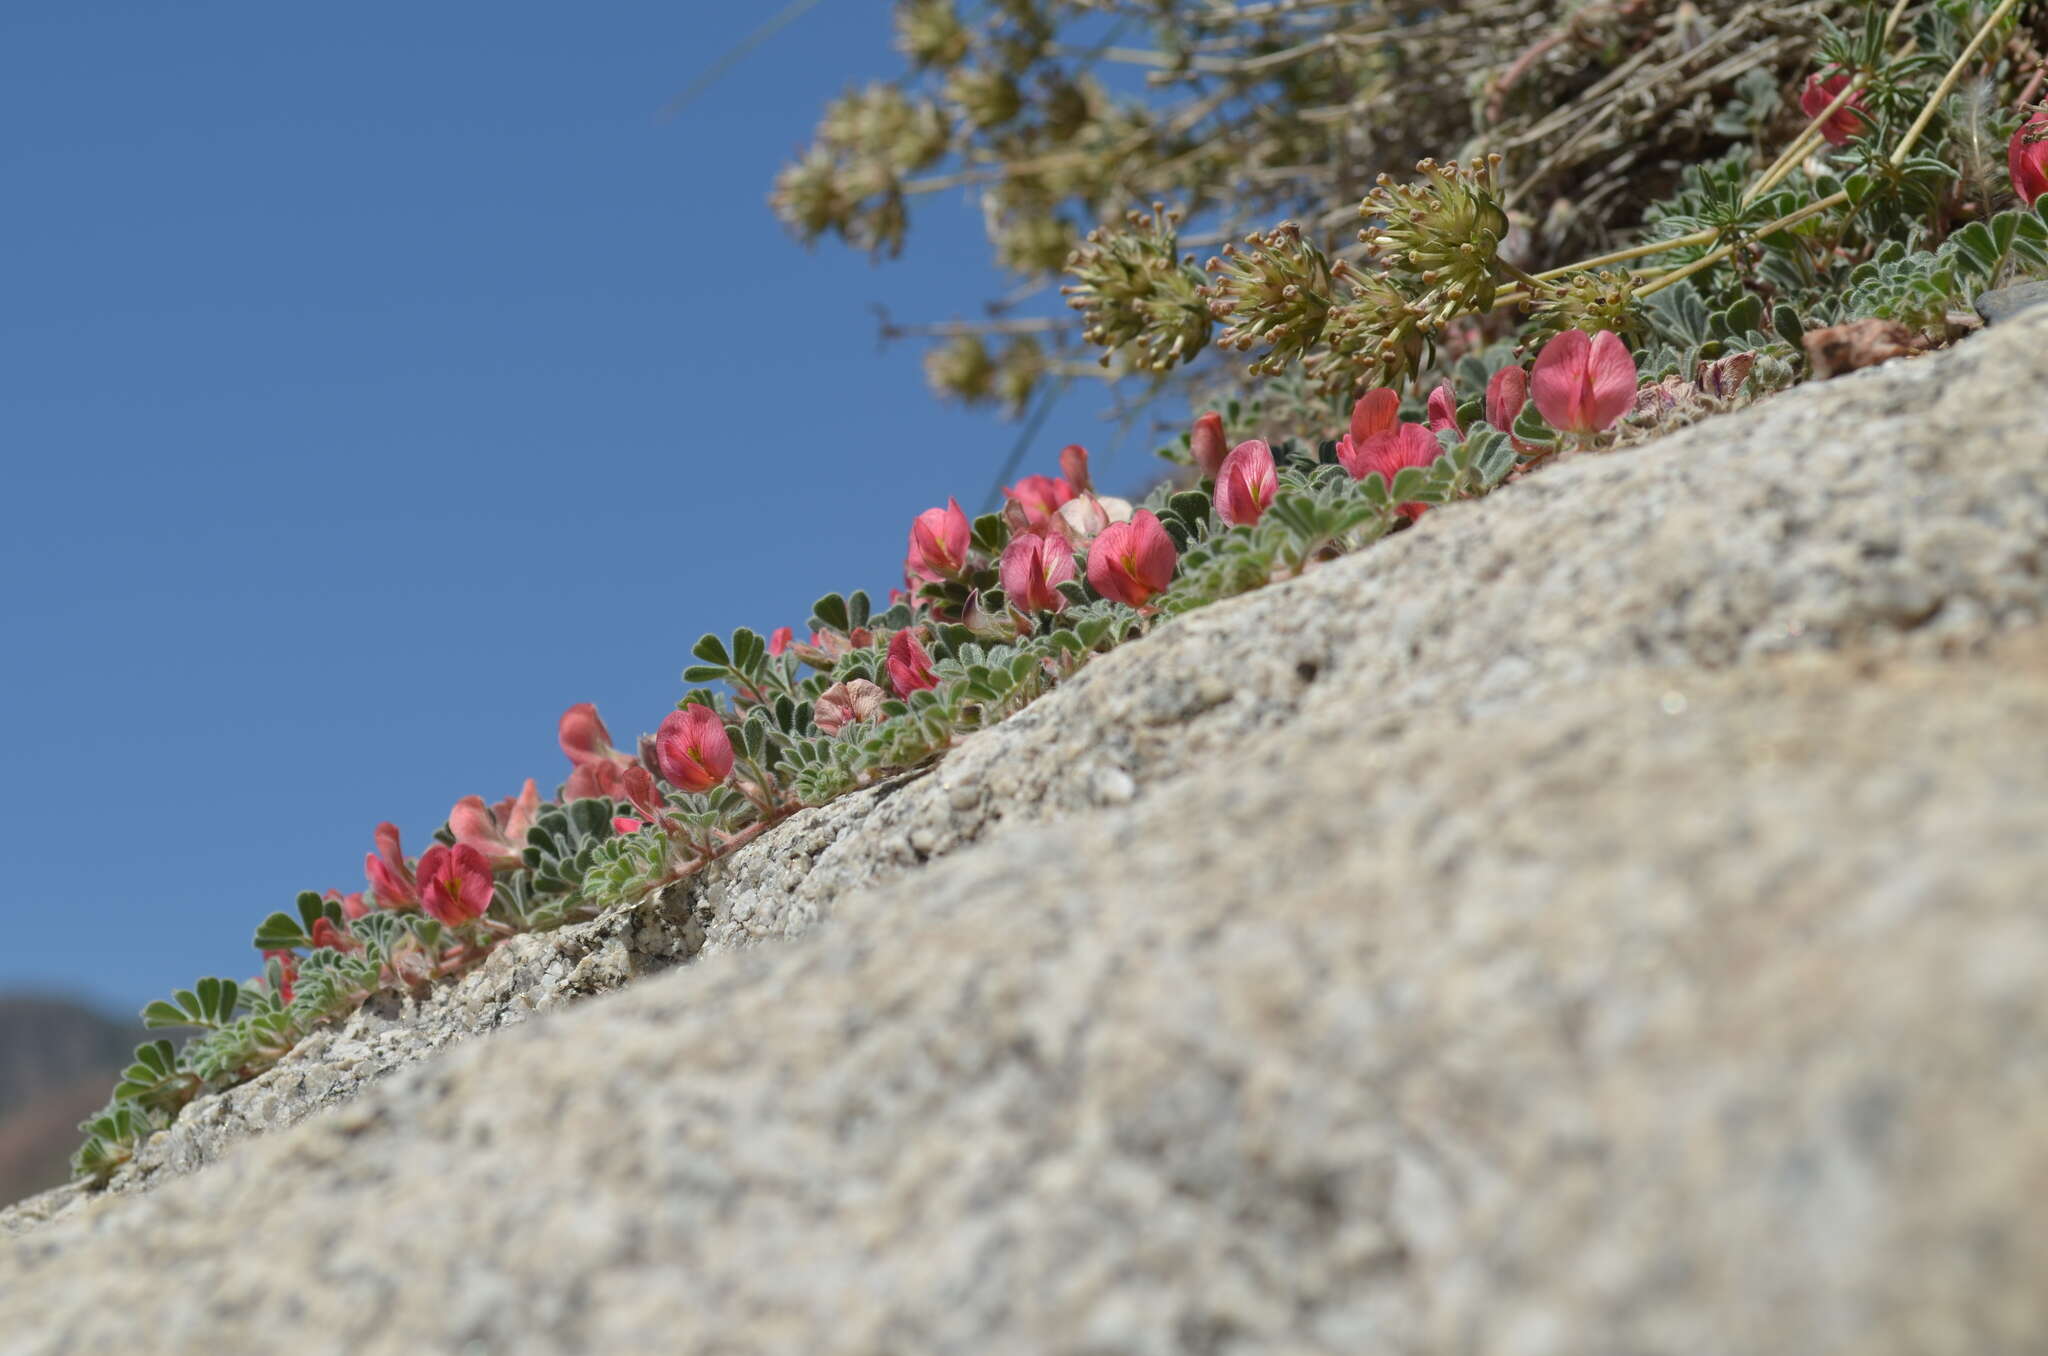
1443,410
2027,157
626,824
583,735
1074,463
1034,500
1246,483
1845,123
455,884
1376,412
500,834
637,786
1208,444
1131,562
335,938
1081,519
779,638
390,878
1033,568
847,703
693,749
1506,393
910,667
1582,384
353,905
590,780
1389,454
287,972
938,544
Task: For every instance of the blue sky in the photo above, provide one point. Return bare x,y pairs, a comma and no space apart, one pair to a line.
377,380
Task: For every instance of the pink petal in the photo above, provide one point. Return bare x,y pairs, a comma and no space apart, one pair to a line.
1443,410
1557,383
1611,380
1506,392
1376,412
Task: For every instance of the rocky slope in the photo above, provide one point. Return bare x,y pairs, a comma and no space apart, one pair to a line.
1604,919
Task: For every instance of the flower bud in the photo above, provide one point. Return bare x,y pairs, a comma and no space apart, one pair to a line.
1246,484
938,543
910,667
1443,410
1845,123
1208,444
393,882
2026,156
1074,463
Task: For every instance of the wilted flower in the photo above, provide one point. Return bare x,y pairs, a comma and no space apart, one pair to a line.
2027,157
910,667
1033,568
1208,445
693,749
938,543
1083,517
848,703
1390,452
390,878
1131,562
499,838
1443,410
455,884
1246,483
1034,500
1845,123
1582,383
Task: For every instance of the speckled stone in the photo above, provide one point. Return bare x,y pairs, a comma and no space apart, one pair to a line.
1602,920
2006,302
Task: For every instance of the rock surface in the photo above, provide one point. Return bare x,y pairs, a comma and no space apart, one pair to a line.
1604,919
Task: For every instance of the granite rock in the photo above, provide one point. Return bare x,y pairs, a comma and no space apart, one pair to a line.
1603,919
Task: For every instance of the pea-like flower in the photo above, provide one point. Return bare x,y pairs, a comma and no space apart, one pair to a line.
1074,465
847,703
498,833
455,884
1034,566
1583,383
390,878
1033,501
692,748
2026,155
1246,483
1443,410
1131,562
938,543
909,665
1390,452
1506,392
1843,125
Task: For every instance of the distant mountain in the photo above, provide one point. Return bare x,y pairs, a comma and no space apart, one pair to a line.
58,1059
